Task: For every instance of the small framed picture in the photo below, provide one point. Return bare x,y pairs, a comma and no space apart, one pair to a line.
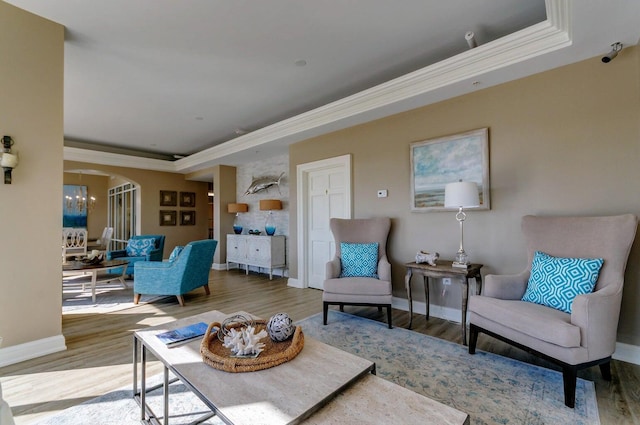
187,199
168,218
187,218
168,198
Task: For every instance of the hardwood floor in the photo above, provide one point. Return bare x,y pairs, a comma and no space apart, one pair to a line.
98,358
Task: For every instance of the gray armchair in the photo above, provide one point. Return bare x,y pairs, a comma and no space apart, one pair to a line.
584,337
374,289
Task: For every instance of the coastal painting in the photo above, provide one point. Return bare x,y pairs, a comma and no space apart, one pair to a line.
436,162
74,206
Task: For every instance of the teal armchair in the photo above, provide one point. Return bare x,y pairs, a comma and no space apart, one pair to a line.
138,250
188,271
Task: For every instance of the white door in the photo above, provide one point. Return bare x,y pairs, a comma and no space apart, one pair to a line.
326,194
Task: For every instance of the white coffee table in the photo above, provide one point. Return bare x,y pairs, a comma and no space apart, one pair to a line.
318,386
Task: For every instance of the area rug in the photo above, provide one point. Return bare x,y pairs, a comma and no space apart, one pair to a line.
109,297
492,389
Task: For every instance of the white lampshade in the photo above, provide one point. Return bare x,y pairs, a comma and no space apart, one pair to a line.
461,194
9,160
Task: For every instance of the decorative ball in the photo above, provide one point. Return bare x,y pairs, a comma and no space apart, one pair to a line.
280,327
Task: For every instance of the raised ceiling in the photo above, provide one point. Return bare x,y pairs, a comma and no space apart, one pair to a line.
201,76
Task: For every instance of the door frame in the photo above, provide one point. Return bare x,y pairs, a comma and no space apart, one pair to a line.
302,195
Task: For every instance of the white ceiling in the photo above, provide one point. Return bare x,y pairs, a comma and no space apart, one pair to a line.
185,77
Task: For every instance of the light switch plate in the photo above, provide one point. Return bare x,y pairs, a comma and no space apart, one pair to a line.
382,193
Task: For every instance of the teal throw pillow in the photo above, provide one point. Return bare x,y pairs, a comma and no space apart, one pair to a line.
359,259
556,281
176,251
140,247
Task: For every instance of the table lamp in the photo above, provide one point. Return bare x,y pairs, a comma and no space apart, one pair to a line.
461,195
270,205
237,209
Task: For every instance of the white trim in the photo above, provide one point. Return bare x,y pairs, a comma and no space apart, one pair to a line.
219,266
302,175
627,353
117,160
295,283
31,350
624,352
419,307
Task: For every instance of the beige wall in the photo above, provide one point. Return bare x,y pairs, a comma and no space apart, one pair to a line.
97,186
150,184
31,112
562,142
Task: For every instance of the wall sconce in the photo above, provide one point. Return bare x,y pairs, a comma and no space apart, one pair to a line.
270,205
237,209
8,161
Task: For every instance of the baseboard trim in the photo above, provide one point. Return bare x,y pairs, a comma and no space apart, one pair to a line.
627,353
30,350
295,283
624,352
219,266
420,307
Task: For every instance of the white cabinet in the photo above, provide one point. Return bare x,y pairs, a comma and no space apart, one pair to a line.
259,251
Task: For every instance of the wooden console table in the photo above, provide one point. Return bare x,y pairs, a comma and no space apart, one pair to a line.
444,269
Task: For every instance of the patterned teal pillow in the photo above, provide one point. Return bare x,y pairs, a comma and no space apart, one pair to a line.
556,281
140,247
176,251
359,259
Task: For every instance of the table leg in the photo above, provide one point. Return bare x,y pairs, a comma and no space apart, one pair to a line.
94,277
425,281
143,383
165,389
407,284
465,299
478,284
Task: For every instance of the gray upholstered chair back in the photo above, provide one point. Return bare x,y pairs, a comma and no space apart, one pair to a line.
609,238
361,230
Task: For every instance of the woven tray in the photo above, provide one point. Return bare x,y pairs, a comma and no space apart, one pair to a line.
275,353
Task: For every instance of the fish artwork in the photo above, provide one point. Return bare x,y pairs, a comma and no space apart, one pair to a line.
263,183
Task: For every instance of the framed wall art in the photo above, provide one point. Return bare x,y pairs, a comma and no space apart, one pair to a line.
187,218
168,198
74,206
168,218
187,199
436,162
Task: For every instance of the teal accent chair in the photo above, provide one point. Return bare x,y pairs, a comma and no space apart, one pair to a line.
188,271
122,254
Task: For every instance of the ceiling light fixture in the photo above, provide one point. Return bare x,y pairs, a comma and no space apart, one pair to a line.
471,39
615,48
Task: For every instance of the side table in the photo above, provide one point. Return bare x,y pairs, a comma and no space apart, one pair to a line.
444,269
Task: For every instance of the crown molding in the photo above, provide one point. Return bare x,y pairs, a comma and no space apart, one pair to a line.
118,160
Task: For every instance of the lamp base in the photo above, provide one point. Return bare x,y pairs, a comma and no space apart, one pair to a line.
460,265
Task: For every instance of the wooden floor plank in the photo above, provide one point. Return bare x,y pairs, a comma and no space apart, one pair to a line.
98,357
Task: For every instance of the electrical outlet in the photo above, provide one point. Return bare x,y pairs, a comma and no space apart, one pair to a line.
446,281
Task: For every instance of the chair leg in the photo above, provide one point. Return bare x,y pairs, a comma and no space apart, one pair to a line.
136,298
605,370
388,316
569,377
325,311
473,339
206,289
180,300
